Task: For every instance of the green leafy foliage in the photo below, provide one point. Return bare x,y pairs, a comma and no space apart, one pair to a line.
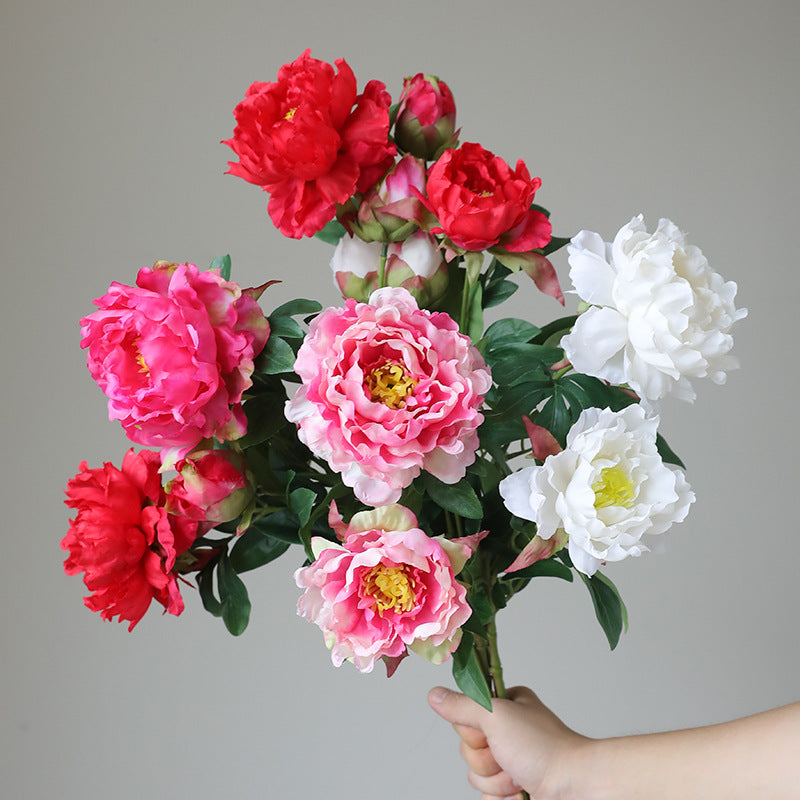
468,675
459,498
332,232
608,606
223,264
255,548
231,601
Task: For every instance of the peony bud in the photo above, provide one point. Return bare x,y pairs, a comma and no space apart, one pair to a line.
387,212
211,485
416,264
426,117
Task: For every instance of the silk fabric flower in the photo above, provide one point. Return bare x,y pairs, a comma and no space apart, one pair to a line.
174,354
660,315
388,588
389,390
123,539
311,141
480,202
606,490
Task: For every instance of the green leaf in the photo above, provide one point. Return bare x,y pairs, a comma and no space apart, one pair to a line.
555,243
468,675
264,418
507,331
554,328
299,306
499,292
205,586
608,606
254,548
332,232
301,501
517,361
233,596
282,524
459,498
276,357
668,456
282,325
481,607
546,568
223,264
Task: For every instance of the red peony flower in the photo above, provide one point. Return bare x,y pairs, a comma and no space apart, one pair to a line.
311,141
480,202
123,540
426,117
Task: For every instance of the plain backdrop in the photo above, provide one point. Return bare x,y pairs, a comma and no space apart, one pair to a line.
112,114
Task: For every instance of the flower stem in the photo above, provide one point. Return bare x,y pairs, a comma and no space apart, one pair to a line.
382,266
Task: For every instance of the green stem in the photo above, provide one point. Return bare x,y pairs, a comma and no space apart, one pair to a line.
382,266
495,667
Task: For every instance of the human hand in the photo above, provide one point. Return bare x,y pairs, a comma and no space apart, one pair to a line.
520,745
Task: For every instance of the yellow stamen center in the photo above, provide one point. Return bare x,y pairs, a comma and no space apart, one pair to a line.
290,113
613,488
142,364
390,588
389,384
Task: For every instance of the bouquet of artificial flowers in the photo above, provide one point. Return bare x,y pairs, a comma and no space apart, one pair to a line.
419,467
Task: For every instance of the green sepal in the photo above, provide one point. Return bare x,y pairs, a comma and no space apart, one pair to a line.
254,548
223,264
608,606
468,675
459,498
332,232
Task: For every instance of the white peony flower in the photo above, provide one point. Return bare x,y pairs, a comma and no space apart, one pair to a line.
606,490
660,315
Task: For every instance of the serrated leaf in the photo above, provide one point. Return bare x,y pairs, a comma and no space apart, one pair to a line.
233,597
608,606
332,232
468,675
459,498
223,264
254,548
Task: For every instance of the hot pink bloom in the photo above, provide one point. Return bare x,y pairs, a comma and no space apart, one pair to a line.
481,202
311,141
211,485
389,390
124,540
387,589
174,354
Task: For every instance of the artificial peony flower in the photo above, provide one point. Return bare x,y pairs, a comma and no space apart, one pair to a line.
480,202
211,485
388,588
311,141
389,390
425,124
659,317
123,539
606,490
416,264
174,354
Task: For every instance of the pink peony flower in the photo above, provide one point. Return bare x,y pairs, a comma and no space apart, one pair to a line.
388,588
211,485
389,390
123,539
174,354
311,141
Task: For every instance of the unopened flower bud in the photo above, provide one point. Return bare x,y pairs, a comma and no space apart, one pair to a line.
425,125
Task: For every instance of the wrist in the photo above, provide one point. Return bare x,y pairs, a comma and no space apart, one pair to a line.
586,771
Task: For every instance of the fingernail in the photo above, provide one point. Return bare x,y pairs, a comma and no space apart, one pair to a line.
438,694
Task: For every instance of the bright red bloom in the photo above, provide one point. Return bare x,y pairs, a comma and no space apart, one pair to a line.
123,539
311,141
480,202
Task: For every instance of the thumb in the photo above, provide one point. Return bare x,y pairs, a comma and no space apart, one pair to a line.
456,708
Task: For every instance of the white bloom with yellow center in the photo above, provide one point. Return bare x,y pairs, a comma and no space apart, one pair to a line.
659,317
607,490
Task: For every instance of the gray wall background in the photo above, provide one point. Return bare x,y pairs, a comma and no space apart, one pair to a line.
111,117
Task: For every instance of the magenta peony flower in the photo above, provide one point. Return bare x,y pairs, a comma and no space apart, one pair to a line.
387,589
124,540
389,390
311,141
174,354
